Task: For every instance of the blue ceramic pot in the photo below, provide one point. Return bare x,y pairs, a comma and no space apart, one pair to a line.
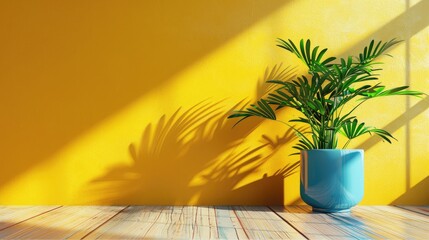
331,179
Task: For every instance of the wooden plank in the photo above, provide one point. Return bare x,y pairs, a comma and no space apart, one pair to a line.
65,222
401,223
262,223
316,225
174,223
364,225
11,215
418,209
132,223
206,224
400,214
187,222
228,225
356,224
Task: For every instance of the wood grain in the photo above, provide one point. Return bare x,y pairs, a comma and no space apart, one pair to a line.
397,222
11,215
321,226
418,209
132,223
228,225
262,223
66,222
208,222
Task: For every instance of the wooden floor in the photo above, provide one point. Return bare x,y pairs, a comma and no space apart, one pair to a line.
237,222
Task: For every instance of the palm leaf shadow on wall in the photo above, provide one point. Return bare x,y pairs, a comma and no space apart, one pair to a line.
199,142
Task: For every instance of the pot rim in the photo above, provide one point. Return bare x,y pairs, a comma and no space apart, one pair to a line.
352,149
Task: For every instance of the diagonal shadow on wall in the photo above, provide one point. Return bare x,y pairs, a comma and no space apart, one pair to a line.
402,27
399,122
413,20
416,195
96,101
252,159
73,65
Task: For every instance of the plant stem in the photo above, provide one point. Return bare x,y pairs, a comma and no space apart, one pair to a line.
296,131
346,144
358,105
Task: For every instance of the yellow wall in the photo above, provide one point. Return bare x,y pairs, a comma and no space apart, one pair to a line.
124,102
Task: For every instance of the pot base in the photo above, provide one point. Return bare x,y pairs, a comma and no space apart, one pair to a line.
327,210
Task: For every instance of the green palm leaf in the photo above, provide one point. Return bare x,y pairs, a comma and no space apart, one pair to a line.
323,97
380,92
260,109
353,129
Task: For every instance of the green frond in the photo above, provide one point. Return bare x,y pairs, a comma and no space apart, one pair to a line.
260,109
380,92
328,95
353,129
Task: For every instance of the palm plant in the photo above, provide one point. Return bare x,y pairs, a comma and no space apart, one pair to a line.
328,96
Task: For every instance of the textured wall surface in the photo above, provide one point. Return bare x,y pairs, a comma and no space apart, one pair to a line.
124,102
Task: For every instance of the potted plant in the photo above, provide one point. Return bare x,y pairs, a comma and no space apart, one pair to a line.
331,176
